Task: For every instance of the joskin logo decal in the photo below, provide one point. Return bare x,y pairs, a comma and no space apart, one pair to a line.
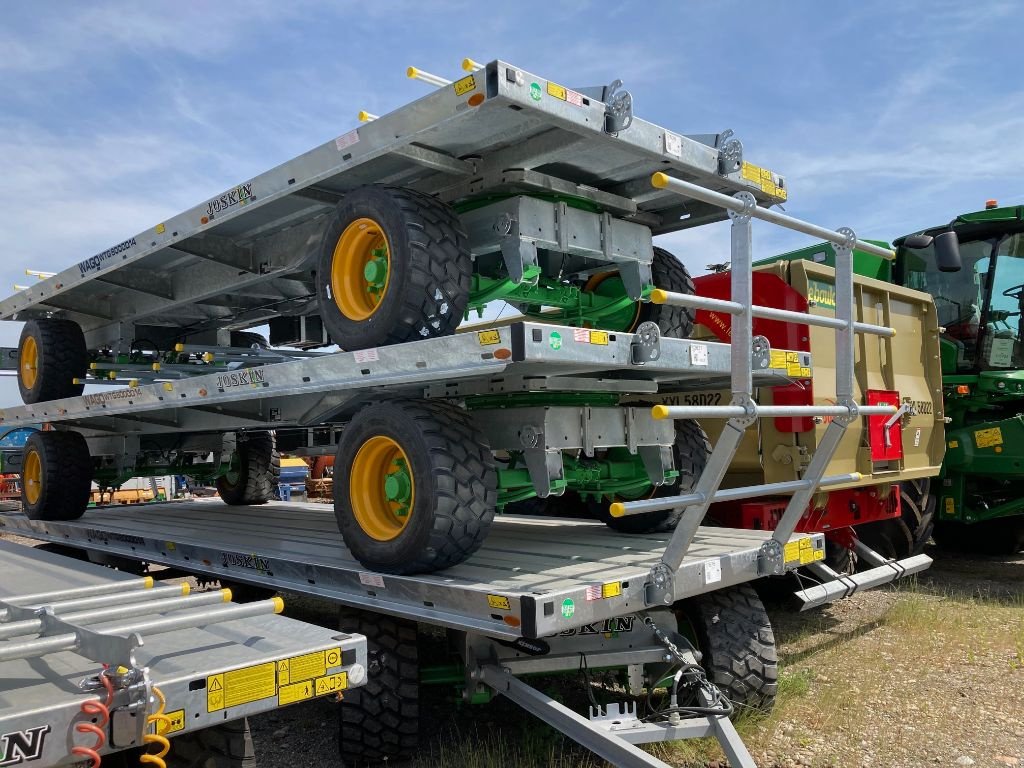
240,195
19,747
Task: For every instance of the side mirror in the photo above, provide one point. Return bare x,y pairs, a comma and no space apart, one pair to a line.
947,252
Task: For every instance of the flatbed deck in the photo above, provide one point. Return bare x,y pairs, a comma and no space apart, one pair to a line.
532,565
523,357
242,256
41,697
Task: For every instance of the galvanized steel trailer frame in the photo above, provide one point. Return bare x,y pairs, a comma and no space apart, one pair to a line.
60,619
206,403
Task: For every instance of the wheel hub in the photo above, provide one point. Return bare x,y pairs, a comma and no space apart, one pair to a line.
29,362
360,269
382,489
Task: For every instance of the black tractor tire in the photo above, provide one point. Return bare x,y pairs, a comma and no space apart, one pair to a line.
61,357
59,467
691,451
259,471
248,339
918,512
669,274
737,645
429,276
380,720
228,745
455,483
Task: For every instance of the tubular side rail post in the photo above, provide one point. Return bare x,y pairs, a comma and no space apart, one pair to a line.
742,411
38,598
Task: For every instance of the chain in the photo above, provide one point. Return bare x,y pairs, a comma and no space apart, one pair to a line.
672,647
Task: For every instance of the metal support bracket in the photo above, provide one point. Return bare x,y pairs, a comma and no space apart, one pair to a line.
646,346
545,468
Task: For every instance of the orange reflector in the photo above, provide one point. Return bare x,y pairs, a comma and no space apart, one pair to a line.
502,353
963,389
476,100
204,220
989,204
512,621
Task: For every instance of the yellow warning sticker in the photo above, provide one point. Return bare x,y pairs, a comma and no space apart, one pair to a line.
241,686
499,602
299,668
161,228
331,683
465,85
556,90
950,505
333,657
954,443
794,370
599,337
806,544
176,722
805,372
611,589
778,358
289,694
987,438
791,552
486,338
751,172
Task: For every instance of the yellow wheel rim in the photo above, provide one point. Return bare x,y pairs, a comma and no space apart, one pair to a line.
28,362
32,476
360,269
381,488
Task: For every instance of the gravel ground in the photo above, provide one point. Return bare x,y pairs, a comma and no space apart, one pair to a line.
930,674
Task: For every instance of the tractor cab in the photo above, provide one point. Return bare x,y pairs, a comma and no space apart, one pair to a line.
974,268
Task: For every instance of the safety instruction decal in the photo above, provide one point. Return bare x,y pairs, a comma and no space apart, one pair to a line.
487,338
698,354
306,667
289,694
175,722
988,438
331,683
241,686
465,85
764,178
556,90
347,139
712,571
499,603
587,336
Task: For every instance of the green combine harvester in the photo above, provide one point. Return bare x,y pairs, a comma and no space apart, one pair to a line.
974,269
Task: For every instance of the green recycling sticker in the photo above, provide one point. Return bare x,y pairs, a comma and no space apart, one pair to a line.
556,341
535,91
568,608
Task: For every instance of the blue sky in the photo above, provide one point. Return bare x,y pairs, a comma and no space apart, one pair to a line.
883,116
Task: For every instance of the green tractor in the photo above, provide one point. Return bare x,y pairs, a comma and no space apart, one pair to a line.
973,268
980,305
